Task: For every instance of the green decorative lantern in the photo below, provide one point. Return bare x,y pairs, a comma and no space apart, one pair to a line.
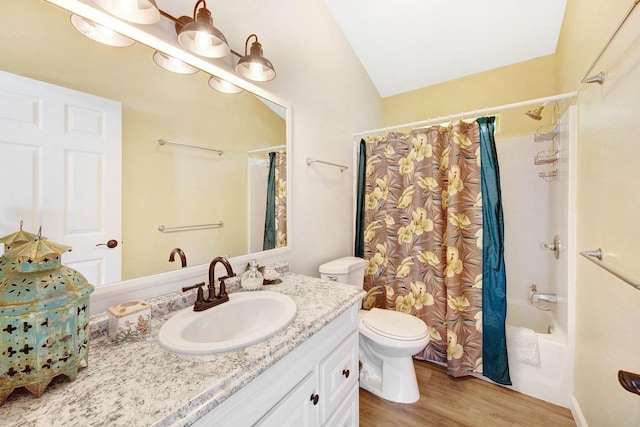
44,315
14,240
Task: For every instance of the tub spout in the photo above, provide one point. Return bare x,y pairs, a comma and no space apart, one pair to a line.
539,296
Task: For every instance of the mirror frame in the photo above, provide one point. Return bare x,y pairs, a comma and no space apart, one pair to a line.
163,39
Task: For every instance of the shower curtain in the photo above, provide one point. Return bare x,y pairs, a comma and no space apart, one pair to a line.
275,224
423,237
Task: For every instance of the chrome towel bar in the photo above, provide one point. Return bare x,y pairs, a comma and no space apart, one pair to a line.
165,229
166,141
596,257
342,167
601,76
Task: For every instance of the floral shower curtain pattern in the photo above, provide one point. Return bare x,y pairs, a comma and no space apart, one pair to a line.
281,198
275,229
423,237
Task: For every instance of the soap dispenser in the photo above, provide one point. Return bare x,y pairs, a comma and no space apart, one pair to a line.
252,279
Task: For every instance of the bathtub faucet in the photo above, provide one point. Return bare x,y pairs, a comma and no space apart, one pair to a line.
540,296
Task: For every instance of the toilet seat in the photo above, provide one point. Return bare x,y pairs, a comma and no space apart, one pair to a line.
395,325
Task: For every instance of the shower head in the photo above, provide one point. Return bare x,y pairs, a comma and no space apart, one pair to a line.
535,114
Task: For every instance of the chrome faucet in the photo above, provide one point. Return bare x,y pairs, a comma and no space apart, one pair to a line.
539,296
535,296
212,300
180,252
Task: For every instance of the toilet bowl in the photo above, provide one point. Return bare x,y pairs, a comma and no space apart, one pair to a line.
388,340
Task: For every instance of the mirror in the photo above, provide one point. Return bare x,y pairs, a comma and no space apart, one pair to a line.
168,185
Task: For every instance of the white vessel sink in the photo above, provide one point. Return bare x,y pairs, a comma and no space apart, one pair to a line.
247,318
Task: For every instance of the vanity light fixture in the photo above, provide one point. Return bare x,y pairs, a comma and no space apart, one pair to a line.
137,11
100,33
172,64
198,35
254,66
223,86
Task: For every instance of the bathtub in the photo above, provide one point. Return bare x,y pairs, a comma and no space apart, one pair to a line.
550,380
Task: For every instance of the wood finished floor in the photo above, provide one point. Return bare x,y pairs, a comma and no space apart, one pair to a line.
456,402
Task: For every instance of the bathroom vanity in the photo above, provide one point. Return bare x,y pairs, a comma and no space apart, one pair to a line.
305,375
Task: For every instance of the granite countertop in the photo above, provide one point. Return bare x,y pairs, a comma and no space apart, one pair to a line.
141,384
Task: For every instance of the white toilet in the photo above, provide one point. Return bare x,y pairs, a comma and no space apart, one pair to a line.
388,339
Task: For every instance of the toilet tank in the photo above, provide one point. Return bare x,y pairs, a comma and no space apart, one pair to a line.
348,270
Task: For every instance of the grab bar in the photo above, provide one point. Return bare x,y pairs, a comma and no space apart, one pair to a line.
596,256
165,229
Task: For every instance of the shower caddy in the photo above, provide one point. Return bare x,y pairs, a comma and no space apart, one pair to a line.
548,132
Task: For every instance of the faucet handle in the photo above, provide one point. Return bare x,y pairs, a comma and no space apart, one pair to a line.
223,289
200,295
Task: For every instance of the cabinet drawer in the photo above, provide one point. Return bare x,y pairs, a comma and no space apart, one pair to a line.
338,375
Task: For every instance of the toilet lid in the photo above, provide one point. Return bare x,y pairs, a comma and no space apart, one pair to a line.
396,325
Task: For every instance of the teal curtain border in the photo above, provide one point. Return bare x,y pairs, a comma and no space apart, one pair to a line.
269,241
362,165
494,282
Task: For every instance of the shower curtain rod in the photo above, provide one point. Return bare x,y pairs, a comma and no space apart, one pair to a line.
474,113
260,150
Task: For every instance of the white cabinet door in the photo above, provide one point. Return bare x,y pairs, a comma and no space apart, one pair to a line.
339,375
298,409
348,413
61,169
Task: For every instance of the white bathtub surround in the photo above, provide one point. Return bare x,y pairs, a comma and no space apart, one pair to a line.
139,383
522,345
534,212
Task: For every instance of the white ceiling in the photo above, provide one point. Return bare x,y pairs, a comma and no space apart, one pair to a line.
409,44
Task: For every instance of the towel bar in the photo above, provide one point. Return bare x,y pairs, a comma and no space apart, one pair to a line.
596,257
342,167
165,229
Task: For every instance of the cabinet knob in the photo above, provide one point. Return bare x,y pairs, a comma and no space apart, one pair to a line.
315,398
345,372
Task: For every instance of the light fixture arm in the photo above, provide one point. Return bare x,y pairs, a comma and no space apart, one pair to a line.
246,43
195,8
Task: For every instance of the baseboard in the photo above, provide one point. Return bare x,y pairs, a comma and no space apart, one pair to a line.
578,416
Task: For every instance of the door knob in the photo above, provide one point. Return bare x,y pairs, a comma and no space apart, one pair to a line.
110,244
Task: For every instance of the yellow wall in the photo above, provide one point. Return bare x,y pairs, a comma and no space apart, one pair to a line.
161,185
505,85
608,310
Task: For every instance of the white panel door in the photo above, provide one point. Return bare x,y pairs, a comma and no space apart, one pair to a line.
61,169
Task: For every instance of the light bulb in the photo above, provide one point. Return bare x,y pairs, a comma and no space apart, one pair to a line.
255,69
175,62
201,41
127,7
105,33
